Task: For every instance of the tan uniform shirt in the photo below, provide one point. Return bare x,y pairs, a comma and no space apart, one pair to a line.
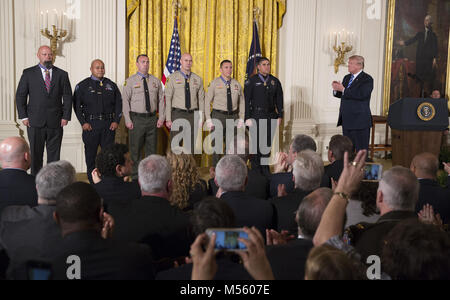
134,96
176,94
217,94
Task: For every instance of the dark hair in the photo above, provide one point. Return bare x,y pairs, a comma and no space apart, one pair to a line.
141,55
416,251
340,144
226,61
110,157
212,213
367,195
302,142
260,60
79,203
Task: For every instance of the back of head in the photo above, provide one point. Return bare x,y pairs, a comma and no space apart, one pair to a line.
54,177
154,174
416,251
308,170
79,203
12,152
303,142
425,165
231,173
311,210
340,144
328,263
212,213
400,189
109,158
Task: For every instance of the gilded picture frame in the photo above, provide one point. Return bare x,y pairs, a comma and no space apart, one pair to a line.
395,82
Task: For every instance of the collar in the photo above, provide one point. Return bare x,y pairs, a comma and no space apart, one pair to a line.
97,79
396,215
17,169
186,76
143,76
44,68
226,81
357,74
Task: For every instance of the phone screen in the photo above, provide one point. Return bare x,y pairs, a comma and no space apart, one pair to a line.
39,271
228,240
372,172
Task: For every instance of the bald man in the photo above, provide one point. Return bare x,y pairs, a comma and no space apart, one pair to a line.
426,166
44,104
98,105
16,186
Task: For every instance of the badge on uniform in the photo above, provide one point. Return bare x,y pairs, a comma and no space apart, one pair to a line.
236,87
137,86
155,86
273,82
109,87
178,81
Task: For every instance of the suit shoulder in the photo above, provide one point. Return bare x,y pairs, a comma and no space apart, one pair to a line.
30,69
12,214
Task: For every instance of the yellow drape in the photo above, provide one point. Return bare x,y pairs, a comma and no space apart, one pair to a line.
210,30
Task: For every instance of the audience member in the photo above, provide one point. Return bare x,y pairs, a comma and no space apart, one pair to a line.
362,207
114,165
30,234
188,188
307,174
208,214
231,177
16,186
416,251
85,229
151,219
425,166
339,144
288,258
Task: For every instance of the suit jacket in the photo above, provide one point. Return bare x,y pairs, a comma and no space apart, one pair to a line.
435,195
104,259
288,261
28,234
153,221
115,190
250,211
334,170
44,109
426,52
17,188
285,208
257,185
355,113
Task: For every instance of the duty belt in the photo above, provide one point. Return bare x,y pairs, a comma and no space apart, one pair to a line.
101,117
225,112
184,110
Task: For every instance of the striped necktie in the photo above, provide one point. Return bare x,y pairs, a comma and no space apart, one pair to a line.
351,81
48,80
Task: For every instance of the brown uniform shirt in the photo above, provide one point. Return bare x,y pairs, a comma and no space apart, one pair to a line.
217,94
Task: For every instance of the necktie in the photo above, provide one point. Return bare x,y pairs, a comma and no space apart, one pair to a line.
351,81
48,80
147,95
426,35
188,94
229,98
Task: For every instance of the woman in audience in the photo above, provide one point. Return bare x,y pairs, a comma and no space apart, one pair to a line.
363,207
188,188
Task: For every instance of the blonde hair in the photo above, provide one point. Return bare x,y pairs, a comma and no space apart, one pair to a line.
185,177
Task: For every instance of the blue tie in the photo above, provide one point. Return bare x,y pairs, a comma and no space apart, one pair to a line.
351,81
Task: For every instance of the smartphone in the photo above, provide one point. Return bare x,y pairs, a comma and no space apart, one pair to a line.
373,172
39,271
227,239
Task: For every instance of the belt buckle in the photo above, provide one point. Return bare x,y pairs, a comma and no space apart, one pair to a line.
101,118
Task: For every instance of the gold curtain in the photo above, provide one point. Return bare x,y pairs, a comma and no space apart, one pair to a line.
210,30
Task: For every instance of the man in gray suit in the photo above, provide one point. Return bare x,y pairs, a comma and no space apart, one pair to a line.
44,104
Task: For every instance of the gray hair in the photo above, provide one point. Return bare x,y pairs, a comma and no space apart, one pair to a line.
400,189
53,178
310,211
154,174
303,142
231,173
308,170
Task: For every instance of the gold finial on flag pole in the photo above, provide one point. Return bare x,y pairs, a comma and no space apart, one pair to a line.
176,6
256,13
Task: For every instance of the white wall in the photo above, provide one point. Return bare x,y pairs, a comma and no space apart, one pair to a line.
97,31
307,67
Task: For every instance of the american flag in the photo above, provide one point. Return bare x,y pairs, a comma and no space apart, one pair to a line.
173,61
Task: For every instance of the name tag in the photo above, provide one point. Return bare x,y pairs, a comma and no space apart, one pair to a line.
258,84
137,86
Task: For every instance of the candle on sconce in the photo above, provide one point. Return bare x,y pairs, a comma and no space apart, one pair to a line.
60,24
41,21
64,24
55,18
46,20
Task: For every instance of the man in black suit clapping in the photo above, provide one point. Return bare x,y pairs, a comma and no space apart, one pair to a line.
44,104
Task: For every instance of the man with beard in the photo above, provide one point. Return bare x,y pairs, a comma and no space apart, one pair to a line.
44,104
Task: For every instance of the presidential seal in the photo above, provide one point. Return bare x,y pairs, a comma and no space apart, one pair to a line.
426,112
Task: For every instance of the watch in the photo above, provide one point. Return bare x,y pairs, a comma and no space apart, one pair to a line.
343,196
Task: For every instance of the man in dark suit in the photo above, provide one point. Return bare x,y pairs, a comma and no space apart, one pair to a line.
288,259
426,54
355,91
16,186
31,233
231,177
308,172
425,166
339,144
44,104
86,232
151,219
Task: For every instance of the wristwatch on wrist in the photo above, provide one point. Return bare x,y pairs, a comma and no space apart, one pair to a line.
343,196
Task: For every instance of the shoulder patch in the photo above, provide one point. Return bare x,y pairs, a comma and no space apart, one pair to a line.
125,83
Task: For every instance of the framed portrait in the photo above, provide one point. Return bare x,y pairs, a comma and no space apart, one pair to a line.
417,50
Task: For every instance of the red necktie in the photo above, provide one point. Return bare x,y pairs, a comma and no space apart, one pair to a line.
47,80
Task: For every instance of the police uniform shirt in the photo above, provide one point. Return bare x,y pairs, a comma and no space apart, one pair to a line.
264,96
94,97
175,93
217,94
134,96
